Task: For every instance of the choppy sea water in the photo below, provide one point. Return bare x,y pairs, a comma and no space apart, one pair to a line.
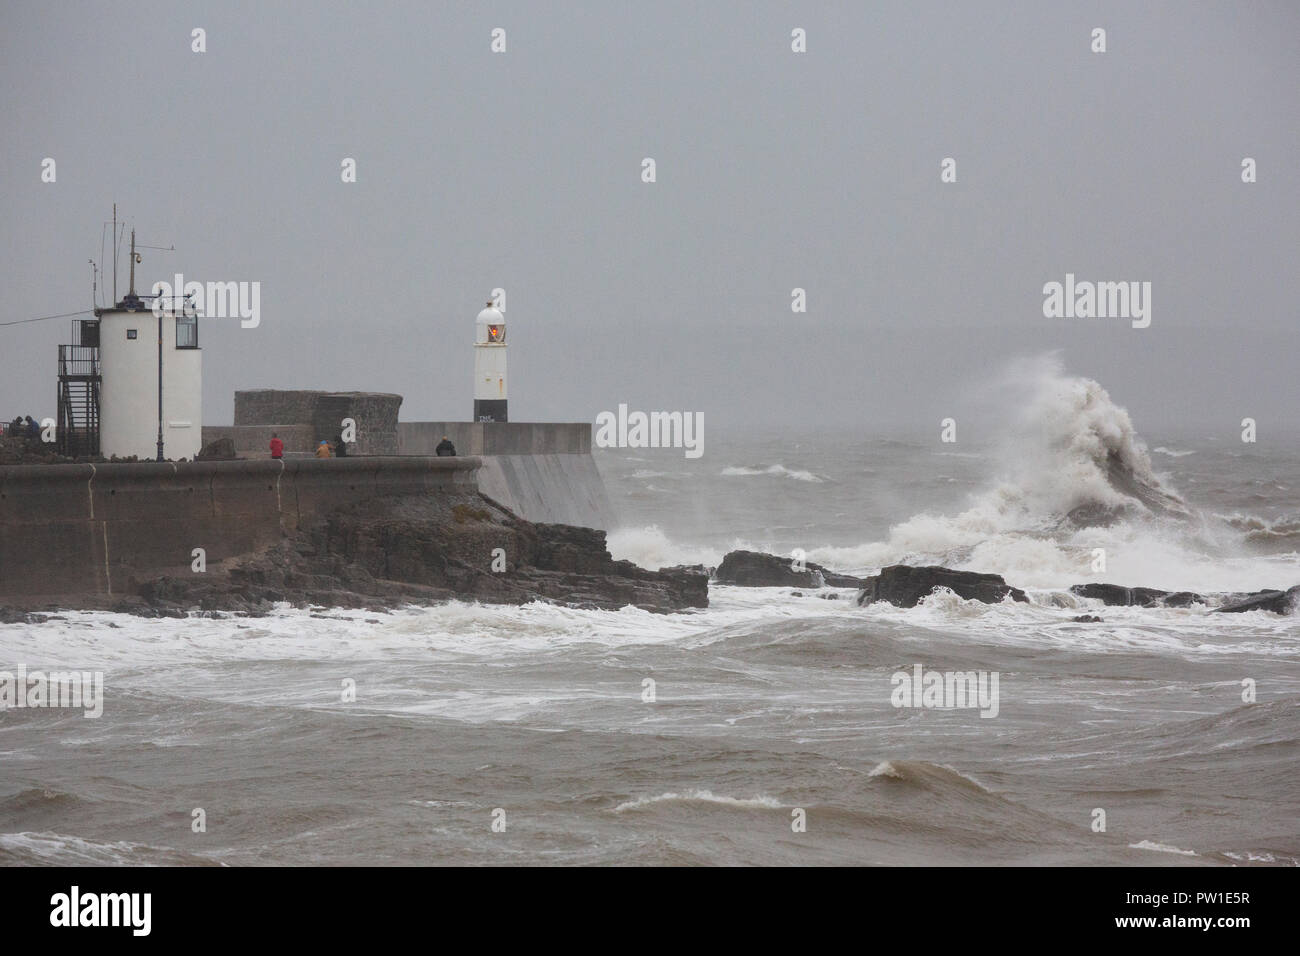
770,709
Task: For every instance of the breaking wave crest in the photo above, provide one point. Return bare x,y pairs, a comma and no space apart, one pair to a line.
650,547
759,802
1073,482
781,471
1071,495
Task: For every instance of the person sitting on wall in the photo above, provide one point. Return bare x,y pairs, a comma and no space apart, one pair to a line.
277,446
445,448
323,450
340,448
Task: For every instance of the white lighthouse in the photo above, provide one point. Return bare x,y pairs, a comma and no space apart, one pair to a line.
490,366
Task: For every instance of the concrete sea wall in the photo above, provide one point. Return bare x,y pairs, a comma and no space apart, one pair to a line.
93,528
541,471
556,489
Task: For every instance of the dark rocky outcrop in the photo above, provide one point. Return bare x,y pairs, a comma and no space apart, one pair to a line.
391,551
753,569
1279,602
905,586
1115,595
1086,619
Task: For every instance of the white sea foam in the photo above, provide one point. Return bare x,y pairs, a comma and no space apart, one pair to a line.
60,849
1013,528
1249,857
481,663
1160,848
741,471
759,802
649,547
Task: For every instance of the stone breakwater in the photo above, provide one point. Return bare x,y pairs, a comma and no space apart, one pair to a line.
239,535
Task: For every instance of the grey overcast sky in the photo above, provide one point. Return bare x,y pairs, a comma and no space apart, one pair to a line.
775,170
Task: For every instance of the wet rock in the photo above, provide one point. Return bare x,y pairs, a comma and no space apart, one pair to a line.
1086,619
753,569
388,552
905,586
130,604
1115,595
1279,602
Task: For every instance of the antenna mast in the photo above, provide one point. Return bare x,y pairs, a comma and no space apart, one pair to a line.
135,257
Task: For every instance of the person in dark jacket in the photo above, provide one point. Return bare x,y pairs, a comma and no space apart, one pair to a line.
340,447
445,448
33,429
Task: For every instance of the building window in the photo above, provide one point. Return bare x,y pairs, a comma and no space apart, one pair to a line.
130,333
187,331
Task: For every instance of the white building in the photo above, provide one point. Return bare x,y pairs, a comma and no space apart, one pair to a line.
116,384
129,373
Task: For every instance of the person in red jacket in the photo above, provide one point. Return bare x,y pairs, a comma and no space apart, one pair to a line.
277,446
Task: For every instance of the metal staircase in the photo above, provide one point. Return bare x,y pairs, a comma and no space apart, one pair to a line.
79,383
